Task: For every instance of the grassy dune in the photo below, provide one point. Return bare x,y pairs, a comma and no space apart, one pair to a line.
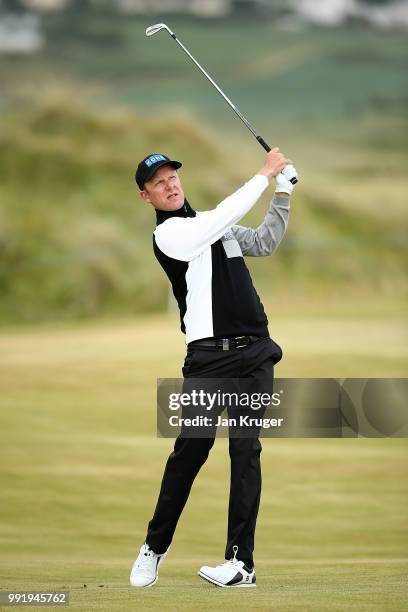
80,470
75,240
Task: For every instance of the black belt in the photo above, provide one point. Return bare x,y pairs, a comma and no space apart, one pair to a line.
225,344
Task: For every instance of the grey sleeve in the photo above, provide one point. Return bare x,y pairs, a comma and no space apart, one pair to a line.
265,239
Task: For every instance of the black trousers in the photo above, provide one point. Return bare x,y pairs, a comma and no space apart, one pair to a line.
256,362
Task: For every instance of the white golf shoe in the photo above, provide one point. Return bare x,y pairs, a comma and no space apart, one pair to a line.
232,573
145,570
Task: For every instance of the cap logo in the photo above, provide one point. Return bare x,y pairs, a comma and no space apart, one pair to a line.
153,159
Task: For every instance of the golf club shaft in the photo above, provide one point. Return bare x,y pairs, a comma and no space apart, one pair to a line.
151,30
234,108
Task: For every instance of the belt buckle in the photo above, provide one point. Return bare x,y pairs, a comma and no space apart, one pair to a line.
225,344
237,344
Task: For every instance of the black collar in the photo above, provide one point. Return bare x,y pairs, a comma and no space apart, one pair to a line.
184,211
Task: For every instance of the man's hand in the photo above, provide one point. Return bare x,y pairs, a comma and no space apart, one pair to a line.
275,162
283,185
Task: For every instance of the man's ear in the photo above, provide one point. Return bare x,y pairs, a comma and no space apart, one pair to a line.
144,195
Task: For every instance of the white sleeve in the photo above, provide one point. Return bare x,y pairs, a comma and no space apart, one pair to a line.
185,238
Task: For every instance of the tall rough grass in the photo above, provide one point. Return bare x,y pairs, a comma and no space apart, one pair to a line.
75,239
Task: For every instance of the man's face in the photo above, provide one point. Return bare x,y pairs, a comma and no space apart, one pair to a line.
164,189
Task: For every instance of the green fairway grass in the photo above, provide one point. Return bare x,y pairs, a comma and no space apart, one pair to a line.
81,466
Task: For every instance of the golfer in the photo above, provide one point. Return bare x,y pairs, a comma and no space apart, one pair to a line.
226,328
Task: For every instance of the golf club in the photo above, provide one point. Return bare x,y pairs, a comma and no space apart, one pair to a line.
153,29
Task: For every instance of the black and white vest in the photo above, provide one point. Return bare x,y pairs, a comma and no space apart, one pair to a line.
201,254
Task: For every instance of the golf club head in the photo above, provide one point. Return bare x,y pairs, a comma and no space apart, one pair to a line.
153,29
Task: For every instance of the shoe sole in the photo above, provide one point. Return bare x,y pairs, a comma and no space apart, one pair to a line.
145,586
226,586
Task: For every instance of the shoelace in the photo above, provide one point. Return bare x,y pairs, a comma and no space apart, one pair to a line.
232,561
147,554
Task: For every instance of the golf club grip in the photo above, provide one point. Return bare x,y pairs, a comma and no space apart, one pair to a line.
267,148
263,143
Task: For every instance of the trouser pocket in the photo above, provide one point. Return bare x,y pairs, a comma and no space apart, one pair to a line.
276,352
